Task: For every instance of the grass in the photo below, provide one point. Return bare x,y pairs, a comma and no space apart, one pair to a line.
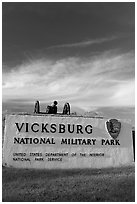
79,185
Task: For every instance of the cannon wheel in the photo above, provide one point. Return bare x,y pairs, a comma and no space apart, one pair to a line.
66,109
37,107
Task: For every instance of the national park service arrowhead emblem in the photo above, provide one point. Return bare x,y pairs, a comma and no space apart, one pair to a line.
113,127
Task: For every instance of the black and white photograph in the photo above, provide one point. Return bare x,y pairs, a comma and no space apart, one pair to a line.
68,101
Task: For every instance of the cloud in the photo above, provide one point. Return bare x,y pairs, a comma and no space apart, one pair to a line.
84,43
126,91
103,80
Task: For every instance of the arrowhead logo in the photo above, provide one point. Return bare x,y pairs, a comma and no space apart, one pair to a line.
113,127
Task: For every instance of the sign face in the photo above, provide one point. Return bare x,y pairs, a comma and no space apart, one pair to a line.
52,142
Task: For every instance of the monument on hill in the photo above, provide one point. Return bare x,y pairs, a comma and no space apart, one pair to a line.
65,142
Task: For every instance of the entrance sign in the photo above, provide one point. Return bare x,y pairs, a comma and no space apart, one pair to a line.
52,141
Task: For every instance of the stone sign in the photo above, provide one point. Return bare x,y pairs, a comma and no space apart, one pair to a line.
51,141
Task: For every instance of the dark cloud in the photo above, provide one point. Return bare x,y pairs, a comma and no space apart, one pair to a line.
28,27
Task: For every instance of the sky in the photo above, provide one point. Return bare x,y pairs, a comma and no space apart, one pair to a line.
82,53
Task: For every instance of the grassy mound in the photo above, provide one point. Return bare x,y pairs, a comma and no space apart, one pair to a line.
88,185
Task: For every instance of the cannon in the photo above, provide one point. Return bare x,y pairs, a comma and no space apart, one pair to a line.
52,109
